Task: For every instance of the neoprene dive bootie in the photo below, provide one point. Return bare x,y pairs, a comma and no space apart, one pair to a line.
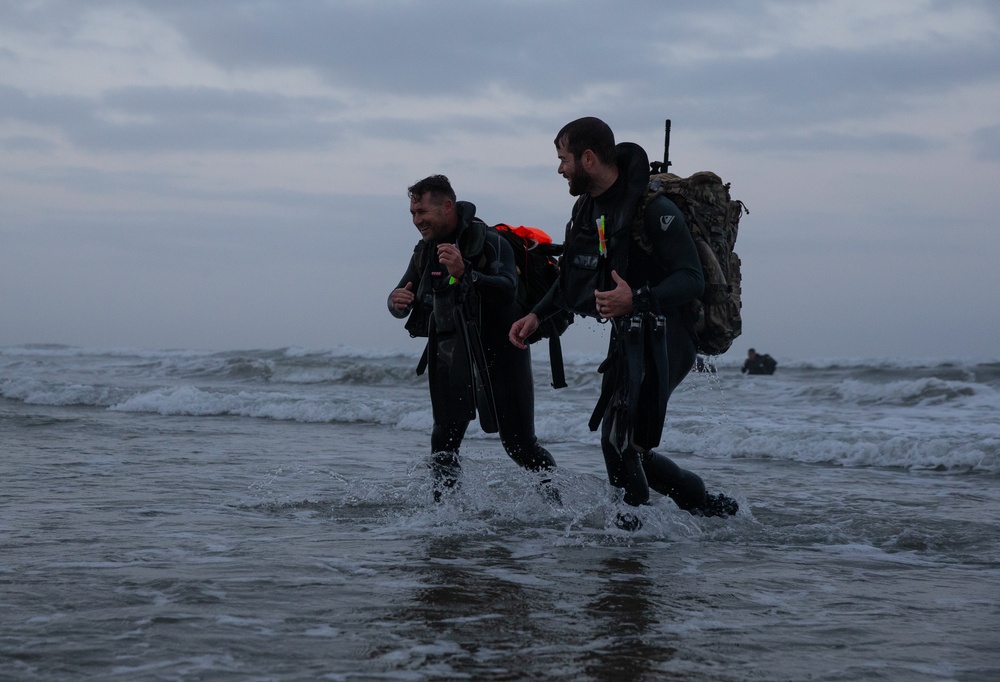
717,504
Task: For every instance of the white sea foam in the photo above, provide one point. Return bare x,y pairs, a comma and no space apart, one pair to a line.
931,414
192,401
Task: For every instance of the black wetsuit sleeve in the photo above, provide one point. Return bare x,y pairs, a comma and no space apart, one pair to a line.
496,273
411,275
674,249
548,306
553,300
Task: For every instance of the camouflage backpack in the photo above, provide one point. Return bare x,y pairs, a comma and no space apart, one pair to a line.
713,217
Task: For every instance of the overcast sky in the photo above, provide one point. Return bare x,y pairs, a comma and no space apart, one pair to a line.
232,175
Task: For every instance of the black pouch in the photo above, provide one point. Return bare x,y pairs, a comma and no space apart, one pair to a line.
581,270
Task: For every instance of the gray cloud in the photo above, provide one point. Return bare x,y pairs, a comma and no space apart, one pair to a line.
874,143
204,185
15,104
209,119
26,143
549,51
544,49
196,118
986,142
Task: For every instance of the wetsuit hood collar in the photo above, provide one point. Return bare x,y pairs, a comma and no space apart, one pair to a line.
633,164
466,211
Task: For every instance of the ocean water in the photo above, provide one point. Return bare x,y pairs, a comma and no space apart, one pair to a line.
267,515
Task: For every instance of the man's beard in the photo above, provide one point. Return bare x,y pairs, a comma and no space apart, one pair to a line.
579,182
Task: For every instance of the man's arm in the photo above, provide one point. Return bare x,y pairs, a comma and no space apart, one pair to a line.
553,301
674,249
496,278
401,298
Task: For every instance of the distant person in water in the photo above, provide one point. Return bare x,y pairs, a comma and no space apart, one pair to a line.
757,363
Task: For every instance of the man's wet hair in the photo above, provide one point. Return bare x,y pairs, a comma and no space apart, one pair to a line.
588,133
437,186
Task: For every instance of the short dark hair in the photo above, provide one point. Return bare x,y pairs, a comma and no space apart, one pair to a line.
437,186
588,133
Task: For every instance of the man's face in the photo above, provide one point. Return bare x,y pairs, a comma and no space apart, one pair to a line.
569,167
432,219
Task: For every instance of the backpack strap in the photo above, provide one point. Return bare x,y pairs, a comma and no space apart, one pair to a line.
472,240
639,234
556,362
420,256
422,363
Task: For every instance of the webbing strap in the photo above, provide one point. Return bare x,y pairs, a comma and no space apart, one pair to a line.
556,360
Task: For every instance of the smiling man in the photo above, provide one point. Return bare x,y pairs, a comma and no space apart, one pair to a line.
459,290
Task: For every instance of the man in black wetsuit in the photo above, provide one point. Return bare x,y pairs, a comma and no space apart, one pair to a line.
459,291
637,279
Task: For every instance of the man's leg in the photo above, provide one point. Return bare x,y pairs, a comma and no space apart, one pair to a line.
445,463
665,477
515,400
625,467
684,487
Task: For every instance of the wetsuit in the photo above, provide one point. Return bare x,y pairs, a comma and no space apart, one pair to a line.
759,364
486,296
653,349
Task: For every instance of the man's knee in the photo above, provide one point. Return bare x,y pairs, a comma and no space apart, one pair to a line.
684,487
625,471
530,455
447,437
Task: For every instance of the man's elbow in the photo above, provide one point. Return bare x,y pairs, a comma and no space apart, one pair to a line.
697,284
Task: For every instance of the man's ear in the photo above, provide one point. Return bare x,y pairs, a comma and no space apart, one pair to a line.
588,159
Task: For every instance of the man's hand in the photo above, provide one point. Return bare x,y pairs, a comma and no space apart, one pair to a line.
522,329
616,302
402,298
450,257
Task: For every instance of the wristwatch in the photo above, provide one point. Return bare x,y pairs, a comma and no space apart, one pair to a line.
640,299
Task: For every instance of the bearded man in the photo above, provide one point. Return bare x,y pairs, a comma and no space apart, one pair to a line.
639,281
